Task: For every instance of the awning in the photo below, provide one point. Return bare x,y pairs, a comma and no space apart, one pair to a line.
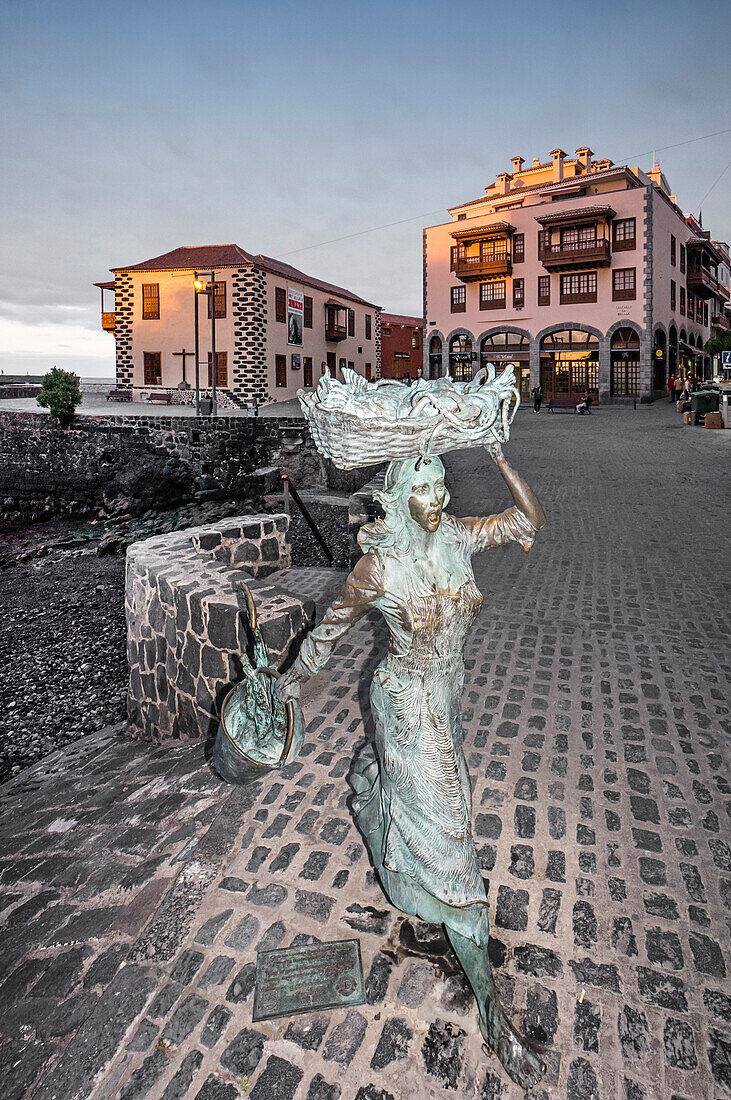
497,228
332,304
579,214
688,349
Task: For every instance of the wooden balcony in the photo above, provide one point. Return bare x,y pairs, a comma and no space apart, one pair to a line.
109,322
568,257
703,283
335,332
720,320
471,268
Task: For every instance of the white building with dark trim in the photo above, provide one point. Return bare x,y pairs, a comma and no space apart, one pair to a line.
276,328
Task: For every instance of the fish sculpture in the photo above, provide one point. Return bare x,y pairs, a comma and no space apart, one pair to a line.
257,732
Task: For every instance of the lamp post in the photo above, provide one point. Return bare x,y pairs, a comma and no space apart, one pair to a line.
210,291
196,290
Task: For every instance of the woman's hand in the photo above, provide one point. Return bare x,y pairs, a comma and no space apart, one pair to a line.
495,451
288,686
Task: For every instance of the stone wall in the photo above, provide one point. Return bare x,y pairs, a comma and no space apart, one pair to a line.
154,461
11,392
185,629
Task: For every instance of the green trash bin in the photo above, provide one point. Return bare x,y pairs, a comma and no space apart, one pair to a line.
702,402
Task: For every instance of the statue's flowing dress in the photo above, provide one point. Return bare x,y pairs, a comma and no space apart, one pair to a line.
412,792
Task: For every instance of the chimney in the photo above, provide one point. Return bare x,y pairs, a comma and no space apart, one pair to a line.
536,162
503,183
558,157
584,155
517,163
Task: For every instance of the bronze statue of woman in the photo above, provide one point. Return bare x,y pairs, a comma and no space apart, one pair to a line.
412,790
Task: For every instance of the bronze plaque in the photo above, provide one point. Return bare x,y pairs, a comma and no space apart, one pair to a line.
305,979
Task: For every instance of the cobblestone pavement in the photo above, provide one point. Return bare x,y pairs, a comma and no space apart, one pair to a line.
138,888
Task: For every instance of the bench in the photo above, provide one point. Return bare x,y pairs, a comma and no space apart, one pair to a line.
566,403
157,398
119,395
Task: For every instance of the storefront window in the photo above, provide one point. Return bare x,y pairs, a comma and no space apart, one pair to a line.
503,348
461,365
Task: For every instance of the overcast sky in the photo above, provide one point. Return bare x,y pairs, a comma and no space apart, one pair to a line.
128,130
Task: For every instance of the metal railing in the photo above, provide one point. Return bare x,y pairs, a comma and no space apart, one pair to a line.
291,490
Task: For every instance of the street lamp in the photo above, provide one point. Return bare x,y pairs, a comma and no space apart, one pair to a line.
200,287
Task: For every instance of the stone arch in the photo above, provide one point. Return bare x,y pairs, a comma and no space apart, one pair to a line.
574,381
460,369
580,326
458,332
433,370
623,324
525,368
660,363
503,328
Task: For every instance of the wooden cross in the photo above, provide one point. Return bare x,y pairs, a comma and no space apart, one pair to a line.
184,355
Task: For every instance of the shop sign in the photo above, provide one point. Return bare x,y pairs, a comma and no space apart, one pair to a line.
295,316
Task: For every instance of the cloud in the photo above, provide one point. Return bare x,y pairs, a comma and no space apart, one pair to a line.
47,340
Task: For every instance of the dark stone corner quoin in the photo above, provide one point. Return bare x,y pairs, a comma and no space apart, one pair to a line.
184,627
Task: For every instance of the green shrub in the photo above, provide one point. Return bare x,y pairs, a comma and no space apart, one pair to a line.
60,393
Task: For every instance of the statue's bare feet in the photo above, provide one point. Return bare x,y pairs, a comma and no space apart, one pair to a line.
517,1059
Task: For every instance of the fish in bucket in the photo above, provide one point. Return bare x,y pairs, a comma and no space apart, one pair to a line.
257,732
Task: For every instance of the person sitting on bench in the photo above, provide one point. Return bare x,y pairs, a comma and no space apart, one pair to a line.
584,405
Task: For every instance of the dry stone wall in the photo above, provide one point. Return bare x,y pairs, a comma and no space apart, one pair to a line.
156,461
185,629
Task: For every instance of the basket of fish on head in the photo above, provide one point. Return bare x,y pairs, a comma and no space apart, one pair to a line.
359,423
257,733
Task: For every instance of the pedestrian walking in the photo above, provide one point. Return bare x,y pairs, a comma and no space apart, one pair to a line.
671,387
537,395
678,388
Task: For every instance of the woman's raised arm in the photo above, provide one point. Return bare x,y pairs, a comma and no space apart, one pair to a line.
523,495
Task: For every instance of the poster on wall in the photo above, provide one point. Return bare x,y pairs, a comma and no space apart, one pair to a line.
296,361
295,316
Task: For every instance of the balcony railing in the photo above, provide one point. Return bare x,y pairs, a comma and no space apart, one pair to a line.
335,332
468,268
109,322
590,253
703,283
720,320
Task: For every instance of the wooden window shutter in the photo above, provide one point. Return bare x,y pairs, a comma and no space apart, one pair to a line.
280,368
351,322
280,301
220,297
368,326
308,312
221,369
153,368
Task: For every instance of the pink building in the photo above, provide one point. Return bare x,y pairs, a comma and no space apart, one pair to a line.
581,273
277,329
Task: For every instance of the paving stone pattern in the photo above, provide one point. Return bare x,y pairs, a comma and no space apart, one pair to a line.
138,888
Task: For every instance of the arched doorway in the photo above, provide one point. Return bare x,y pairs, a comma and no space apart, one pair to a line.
435,357
659,354
570,364
503,348
685,360
461,364
672,351
625,363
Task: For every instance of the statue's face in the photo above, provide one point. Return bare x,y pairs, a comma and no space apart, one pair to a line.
426,496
